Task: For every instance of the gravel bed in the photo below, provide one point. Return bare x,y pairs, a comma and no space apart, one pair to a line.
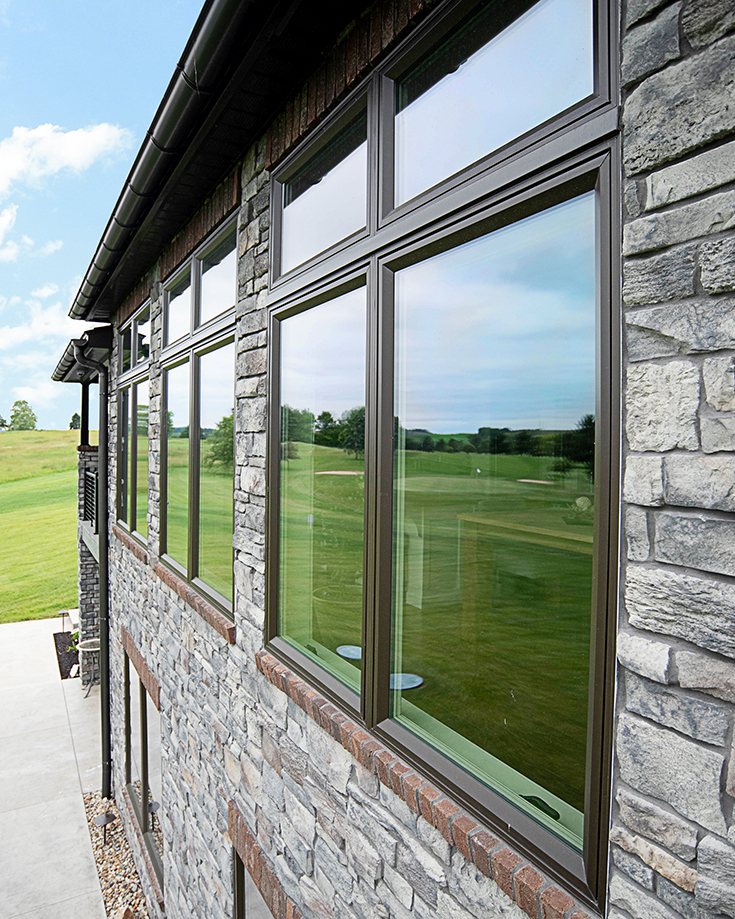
115,867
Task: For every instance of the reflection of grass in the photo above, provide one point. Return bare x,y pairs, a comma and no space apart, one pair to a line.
496,605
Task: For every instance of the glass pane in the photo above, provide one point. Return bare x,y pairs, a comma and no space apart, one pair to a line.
219,279
141,451
177,463
327,199
217,402
135,752
123,478
178,309
255,905
155,791
322,493
491,81
494,506
143,336
125,350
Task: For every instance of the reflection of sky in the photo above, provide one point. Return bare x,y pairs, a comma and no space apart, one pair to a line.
323,356
177,384
218,287
179,315
217,375
500,332
536,68
327,212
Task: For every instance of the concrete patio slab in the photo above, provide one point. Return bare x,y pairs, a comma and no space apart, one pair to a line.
49,753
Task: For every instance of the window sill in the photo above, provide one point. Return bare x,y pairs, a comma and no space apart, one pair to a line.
219,622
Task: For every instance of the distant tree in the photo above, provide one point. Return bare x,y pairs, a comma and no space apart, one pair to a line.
453,445
142,421
469,448
582,443
427,444
523,443
184,433
22,416
222,443
353,428
328,431
3,424
297,424
170,423
76,422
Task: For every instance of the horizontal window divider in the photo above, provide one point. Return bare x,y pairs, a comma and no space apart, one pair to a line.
462,205
202,337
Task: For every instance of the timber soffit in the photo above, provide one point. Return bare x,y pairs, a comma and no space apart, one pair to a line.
241,62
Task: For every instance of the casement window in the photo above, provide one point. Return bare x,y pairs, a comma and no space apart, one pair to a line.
132,419
443,430
198,431
143,762
249,903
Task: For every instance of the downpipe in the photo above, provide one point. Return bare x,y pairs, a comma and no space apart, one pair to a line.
104,563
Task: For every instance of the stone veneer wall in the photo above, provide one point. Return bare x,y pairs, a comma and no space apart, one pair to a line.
251,756
88,574
673,835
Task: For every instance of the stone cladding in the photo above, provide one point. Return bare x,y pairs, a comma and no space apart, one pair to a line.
673,833
88,572
328,821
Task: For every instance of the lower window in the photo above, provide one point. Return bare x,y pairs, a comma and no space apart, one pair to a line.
143,763
440,512
249,904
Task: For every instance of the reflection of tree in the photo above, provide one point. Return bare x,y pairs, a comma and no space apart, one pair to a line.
221,443
328,430
297,424
353,431
143,420
582,443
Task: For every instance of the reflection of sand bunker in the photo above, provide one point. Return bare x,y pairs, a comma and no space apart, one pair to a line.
341,472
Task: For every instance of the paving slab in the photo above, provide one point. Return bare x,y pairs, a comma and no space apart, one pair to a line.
49,754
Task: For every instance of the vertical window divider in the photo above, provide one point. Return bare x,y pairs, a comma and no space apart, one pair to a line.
163,478
194,457
372,208
386,144
273,467
133,459
128,728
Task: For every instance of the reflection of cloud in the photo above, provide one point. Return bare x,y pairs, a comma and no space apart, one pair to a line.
323,356
31,154
501,331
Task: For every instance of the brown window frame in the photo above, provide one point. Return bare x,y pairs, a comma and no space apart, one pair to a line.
570,154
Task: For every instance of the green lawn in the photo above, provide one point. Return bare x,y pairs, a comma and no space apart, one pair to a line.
38,517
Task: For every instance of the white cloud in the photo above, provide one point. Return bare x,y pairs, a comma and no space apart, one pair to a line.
31,154
38,323
7,220
50,247
48,290
41,395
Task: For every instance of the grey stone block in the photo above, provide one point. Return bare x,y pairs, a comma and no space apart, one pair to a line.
633,867
638,9
649,46
666,276
655,823
680,108
681,901
695,541
716,887
643,482
718,431
635,901
422,871
636,534
704,21
695,175
700,481
707,674
713,214
717,263
662,862
662,402
645,656
697,718
719,383
673,769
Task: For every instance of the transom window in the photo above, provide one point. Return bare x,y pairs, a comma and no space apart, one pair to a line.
132,420
442,420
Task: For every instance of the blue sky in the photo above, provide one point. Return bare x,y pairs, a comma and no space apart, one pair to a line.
80,82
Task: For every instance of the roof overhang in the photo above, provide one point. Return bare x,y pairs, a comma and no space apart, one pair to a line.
96,345
242,62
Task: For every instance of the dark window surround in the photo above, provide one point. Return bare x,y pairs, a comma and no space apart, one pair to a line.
142,815
213,334
132,326
578,151
127,393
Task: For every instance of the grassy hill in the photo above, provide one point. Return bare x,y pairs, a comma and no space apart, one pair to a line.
38,514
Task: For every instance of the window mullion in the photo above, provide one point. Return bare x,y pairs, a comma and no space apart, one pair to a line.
133,459
143,758
194,458
385,144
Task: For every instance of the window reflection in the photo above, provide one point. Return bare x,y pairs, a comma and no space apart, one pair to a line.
219,277
178,308
124,453
177,463
125,358
322,490
143,336
494,505
491,81
217,370
327,199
